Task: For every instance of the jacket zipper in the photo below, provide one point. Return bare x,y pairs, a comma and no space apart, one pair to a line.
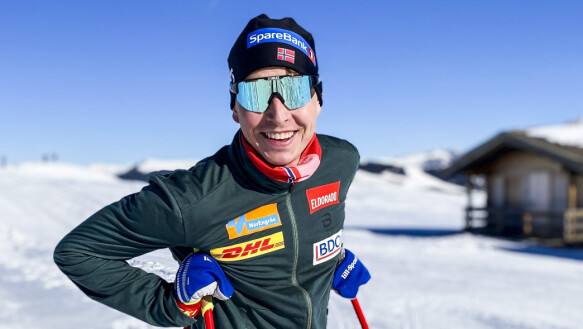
296,255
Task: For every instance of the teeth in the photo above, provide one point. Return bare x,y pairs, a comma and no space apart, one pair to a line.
279,135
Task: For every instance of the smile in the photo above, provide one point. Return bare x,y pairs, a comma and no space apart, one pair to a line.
280,136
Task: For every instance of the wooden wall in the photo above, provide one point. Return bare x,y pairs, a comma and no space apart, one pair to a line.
521,182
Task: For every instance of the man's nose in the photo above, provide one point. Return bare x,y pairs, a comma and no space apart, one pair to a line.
277,111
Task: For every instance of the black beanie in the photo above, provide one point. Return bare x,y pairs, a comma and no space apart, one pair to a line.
273,42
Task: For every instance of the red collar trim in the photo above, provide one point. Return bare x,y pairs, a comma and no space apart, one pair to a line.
309,162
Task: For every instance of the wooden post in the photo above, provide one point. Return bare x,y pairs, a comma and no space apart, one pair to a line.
469,207
567,230
571,221
572,192
500,214
527,224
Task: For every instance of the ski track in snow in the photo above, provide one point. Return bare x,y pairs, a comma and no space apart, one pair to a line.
447,280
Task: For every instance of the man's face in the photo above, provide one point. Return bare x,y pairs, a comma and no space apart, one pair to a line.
278,134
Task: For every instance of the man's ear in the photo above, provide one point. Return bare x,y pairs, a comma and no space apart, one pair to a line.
235,114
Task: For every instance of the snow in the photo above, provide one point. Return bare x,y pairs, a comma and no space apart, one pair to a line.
569,134
56,170
153,165
435,159
111,169
426,273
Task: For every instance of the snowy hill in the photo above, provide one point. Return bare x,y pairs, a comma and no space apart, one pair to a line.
418,165
144,169
429,161
405,228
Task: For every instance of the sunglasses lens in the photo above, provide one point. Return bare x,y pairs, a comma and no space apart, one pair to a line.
254,95
296,91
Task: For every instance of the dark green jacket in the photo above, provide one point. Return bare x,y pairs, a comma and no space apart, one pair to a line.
276,242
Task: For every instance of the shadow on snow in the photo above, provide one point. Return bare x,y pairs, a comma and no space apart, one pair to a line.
416,232
561,252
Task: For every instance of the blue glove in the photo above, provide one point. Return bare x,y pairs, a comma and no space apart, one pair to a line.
349,275
200,275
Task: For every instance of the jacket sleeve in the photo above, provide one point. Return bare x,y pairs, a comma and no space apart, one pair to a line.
94,254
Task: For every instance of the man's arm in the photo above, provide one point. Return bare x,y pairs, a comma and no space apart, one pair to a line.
94,255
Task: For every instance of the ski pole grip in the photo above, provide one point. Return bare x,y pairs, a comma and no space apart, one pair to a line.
206,307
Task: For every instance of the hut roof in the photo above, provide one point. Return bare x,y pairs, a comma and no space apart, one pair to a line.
571,157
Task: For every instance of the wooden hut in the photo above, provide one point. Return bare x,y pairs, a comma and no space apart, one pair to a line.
534,187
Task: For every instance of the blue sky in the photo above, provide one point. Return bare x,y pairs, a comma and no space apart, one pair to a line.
122,81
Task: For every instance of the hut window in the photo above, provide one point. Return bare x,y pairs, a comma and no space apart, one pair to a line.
539,188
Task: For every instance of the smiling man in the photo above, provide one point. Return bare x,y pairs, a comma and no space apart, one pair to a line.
258,225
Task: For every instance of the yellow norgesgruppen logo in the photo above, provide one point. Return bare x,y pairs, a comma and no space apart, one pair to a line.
256,220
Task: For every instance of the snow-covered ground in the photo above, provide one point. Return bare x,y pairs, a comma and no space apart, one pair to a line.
406,229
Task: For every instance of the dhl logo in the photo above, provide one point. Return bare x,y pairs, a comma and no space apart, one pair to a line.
256,220
249,249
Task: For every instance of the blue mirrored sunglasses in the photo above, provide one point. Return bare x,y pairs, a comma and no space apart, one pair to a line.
295,91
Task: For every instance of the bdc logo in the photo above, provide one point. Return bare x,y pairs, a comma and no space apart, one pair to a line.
327,248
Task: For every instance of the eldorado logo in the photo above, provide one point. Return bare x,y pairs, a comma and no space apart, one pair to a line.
323,196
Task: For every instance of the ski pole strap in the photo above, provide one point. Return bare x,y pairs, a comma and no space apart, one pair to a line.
190,310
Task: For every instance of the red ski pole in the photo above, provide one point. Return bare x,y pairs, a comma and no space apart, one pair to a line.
359,313
206,306
354,301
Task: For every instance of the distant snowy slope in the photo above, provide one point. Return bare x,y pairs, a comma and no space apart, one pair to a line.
419,169
57,170
111,169
569,134
144,169
153,165
436,159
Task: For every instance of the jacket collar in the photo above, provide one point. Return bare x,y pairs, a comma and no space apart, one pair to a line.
248,174
309,162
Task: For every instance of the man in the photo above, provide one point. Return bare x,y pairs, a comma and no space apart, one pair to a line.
257,225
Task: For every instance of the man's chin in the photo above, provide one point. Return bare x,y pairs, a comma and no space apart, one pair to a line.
282,160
